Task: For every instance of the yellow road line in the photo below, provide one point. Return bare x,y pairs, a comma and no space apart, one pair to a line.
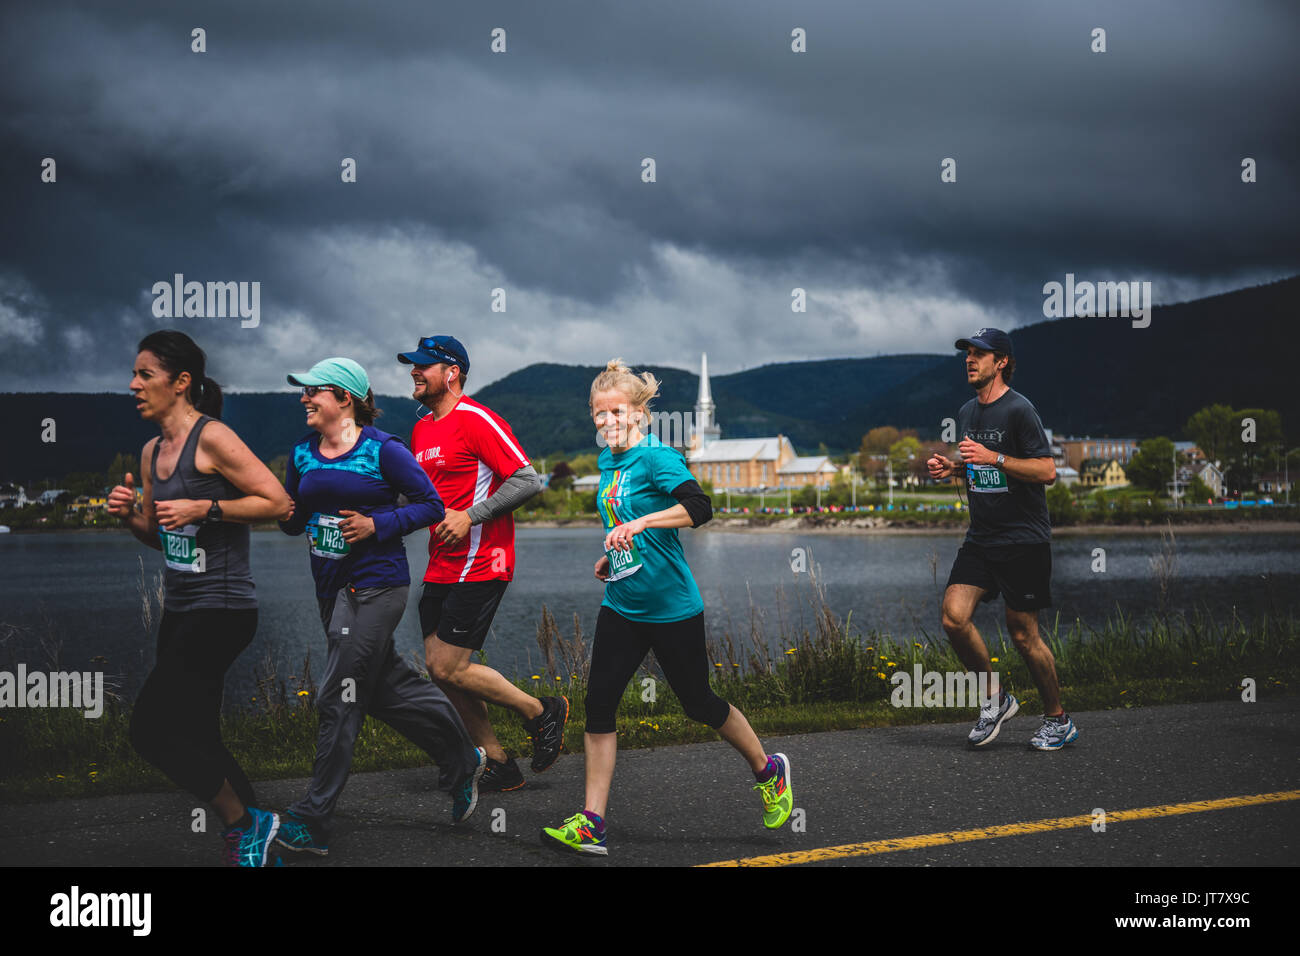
1005,830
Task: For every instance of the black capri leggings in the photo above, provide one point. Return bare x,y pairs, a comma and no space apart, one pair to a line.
619,648
176,723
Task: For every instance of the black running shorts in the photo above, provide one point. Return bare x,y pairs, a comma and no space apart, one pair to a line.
460,613
1022,573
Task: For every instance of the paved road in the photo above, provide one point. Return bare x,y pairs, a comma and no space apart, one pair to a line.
693,804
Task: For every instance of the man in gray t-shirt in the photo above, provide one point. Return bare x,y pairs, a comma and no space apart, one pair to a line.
1006,463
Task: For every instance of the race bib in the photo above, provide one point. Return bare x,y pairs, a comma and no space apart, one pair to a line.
986,479
180,549
325,539
623,564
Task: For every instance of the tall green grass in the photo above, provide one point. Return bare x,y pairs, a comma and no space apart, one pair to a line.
809,670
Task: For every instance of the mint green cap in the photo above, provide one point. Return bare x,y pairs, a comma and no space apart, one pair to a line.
343,372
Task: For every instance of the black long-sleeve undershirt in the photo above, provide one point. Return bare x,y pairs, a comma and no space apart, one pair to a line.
691,496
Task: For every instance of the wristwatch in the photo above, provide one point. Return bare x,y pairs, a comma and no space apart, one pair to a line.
214,513
1002,460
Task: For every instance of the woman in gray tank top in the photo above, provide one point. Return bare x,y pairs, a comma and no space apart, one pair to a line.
202,488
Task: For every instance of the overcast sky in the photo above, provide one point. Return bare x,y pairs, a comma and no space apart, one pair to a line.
523,170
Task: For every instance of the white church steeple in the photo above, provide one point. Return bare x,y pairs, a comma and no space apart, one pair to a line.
706,429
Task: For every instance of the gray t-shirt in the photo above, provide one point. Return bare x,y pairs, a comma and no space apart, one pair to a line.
1004,510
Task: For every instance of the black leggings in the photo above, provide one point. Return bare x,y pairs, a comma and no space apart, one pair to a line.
176,724
619,648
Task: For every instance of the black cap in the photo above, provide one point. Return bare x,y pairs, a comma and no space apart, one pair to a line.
990,340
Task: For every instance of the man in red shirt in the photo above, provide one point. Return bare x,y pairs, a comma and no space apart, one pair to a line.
482,476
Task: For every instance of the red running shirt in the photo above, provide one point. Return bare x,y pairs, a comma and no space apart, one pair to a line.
468,454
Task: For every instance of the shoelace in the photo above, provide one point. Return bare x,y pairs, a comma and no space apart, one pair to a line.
1048,725
234,839
575,823
768,792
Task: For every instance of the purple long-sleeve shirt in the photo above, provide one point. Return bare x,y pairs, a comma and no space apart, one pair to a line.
367,479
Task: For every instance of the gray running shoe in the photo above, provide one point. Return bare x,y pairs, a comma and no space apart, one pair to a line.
1054,735
991,718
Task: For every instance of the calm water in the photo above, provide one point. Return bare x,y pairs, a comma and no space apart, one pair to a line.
83,590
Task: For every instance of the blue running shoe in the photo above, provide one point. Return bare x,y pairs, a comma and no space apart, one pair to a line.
250,847
464,799
295,835
991,718
1055,733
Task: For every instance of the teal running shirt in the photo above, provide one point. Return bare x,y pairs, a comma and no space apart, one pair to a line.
652,582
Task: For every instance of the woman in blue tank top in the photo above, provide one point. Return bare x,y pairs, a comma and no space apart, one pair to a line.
202,488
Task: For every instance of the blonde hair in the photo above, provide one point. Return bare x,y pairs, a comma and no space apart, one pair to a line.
639,389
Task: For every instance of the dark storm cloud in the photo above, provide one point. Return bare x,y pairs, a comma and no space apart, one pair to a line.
521,170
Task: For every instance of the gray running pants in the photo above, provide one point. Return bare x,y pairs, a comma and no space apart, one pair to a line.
359,626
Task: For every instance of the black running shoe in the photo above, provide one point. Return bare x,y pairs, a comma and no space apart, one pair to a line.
547,732
501,776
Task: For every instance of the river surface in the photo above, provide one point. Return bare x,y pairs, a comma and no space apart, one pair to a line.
78,595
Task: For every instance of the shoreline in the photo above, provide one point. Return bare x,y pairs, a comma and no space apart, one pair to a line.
802,524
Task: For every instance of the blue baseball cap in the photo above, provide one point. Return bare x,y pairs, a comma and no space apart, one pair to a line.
435,350
343,372
990,340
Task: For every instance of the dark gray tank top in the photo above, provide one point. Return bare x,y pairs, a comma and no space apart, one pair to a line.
207,564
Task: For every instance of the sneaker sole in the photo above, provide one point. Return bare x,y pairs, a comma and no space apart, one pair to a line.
473,802
558,750
1011,712
270,837
302,849
789,788
562,847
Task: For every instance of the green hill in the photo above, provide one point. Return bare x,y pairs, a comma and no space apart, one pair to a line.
1092,376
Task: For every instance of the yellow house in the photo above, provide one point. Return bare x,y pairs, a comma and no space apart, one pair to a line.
89,503
1100,473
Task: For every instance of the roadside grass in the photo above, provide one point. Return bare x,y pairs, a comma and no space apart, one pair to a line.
819,674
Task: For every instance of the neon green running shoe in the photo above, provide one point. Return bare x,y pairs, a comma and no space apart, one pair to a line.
778,797
577,833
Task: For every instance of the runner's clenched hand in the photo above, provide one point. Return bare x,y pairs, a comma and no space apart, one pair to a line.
179,512
355,526
121,500
974,453
621,537
941,467
454,527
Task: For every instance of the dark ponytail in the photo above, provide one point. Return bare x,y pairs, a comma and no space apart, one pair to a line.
364,411
211,401
177,353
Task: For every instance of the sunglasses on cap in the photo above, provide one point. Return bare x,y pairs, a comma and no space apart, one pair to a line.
430,344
